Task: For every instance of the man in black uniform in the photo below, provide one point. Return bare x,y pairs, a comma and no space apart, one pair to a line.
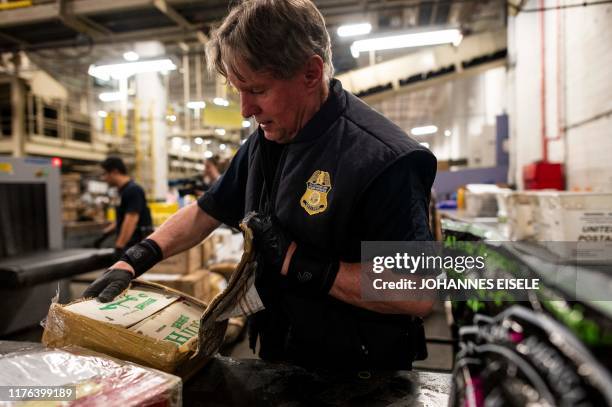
133,218
323,172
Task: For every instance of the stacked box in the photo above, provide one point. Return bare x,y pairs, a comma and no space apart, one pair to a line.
208,251
193,284
574,216
182,263
518,212
228,246
201,284
583,219
71,195
225,269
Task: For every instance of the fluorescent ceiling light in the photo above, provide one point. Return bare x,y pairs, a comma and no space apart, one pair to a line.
246,123
196,104
208,154
131,56
450,36
102,113
111,96
127,69
423,130
220,102
426,145
199,140
354,29
220,132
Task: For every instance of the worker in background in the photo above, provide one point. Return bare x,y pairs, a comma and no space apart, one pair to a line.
323,172
214,167
133,218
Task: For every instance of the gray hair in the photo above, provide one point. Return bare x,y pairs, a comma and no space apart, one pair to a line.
276,36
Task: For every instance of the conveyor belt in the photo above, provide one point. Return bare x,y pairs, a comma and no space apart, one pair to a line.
50,265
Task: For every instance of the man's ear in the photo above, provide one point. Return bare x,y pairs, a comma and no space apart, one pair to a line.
313,71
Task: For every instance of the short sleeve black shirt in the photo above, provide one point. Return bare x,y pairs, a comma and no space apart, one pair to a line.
133,201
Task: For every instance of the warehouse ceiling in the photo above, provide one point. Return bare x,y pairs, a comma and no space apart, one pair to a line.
83,31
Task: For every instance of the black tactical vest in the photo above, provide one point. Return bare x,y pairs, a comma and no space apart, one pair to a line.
321,176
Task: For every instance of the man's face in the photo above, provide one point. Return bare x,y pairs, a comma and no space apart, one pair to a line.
280,106
109,178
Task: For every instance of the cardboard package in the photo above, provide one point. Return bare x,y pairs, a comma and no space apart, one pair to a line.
217,283
182,263
122,327
208,251
226,269
156,326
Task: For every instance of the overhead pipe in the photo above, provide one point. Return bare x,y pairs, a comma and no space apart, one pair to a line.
543,84
560,76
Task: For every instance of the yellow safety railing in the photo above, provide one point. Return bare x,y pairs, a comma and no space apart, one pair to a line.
9,5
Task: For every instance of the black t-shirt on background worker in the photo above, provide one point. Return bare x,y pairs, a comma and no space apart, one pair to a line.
133,200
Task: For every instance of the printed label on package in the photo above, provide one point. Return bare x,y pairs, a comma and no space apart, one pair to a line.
125,310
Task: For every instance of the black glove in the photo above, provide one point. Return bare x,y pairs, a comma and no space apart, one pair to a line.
142,256
109,285
307,273
270,241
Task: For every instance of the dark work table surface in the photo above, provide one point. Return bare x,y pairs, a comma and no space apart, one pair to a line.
226,382
240,382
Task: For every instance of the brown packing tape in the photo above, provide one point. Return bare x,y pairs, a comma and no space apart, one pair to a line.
211,330
64,328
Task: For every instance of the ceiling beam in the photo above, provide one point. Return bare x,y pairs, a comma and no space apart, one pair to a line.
172,14
28,15
73,22
166,34
49,11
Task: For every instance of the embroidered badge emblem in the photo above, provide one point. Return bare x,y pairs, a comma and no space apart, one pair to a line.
314,199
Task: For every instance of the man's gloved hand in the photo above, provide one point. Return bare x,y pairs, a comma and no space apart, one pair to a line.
307,273
109,285
138,258
270,241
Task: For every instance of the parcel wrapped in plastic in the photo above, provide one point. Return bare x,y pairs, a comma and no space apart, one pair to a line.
157,326
74,376
148,324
